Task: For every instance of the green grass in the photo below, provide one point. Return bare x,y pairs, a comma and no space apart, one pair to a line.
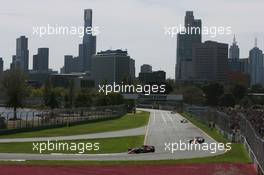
126,122
236,155
106,145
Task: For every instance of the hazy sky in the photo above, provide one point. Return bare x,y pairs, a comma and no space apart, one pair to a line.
135,25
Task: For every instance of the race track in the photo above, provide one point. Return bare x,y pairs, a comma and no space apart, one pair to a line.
163,127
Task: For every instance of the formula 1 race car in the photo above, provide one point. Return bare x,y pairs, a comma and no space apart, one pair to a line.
196,140
184,121
143,149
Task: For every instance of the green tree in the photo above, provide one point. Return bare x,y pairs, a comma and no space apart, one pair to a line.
116,99
246,102
53,100
193,95
47,91
213,92
14,88
102,100
36,92
239,91
52,96
227,100
83,99
71,93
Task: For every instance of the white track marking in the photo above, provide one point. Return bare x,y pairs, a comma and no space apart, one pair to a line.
154,116
163,118
147,130
169,117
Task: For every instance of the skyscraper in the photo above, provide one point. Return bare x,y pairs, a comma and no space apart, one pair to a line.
35,63
71,64
256,65
234,50
132,69
155,77
88,46
146,68
41,60
13,63
234,63
210,61
88,22
21,58
185,43
112,66
1,65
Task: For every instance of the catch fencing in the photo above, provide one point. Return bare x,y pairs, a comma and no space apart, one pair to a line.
32,119
235,128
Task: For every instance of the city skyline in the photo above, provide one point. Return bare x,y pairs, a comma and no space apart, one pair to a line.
121,31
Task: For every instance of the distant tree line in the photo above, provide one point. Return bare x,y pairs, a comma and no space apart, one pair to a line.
14,88
216,94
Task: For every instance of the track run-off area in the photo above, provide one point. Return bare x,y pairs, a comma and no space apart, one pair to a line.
163,129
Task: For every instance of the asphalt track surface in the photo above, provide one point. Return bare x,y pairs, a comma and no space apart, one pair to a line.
163,127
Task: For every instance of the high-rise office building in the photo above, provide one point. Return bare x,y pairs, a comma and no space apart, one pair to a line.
1,65
234,63
41,60
185,41
132,69
112,66
88,46
13,63
35,62
256,65
21,59
146,68
155,77
71,64
210,61
234,50
244,65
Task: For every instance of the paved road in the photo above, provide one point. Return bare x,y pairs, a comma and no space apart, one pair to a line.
121,133
163,127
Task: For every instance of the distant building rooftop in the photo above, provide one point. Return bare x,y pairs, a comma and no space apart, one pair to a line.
117,52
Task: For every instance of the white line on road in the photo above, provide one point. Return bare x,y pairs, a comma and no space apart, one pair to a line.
146,134
154,116
169,117
13,160
163,118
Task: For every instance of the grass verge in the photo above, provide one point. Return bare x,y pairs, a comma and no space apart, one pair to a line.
106,145
128,121
236,155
